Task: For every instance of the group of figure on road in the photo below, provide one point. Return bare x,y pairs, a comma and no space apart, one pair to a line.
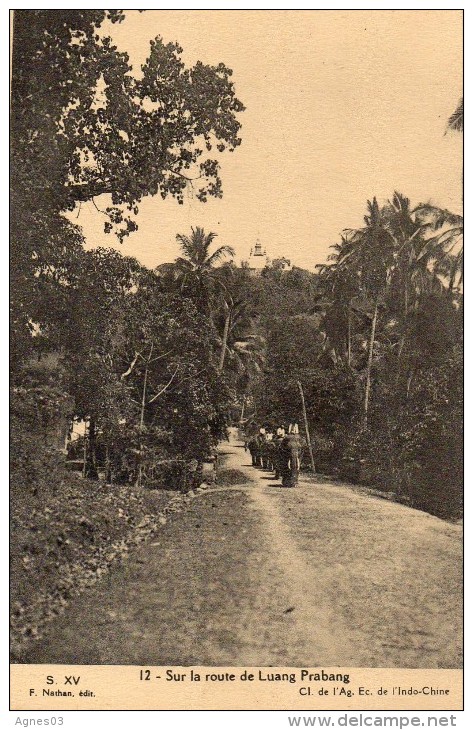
276,450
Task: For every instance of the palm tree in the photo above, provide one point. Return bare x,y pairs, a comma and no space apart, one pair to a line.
197,276
245,346
194,270
340,283
423,238
365,257
455,123
398,257
444,246
196,273
246,360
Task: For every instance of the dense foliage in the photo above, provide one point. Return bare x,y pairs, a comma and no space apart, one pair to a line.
154,361
376,345
84,127
134,360
154,364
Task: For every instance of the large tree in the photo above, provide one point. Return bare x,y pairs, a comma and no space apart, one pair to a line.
169,369
84,126
76,104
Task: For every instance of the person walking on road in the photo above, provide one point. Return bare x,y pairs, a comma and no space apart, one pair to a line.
260,442
290,450
253,449
279,456
266,450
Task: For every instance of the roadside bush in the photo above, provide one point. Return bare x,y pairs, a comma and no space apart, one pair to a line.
64,543
413,447
38,425
432,438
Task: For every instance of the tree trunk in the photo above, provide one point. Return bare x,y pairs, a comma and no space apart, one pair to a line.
400,350
306,424
91,463
84,468
370,363
409,383
243,409
108,466
224,342
349,336
142,420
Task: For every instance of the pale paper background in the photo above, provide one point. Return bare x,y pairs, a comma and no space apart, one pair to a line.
341,106
119,688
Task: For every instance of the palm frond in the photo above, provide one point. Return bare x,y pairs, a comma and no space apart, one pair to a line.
455,121
219,254
435,218
165,269
182,265
185,244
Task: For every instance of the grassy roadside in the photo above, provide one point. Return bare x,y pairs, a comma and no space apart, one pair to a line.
205,590
64,543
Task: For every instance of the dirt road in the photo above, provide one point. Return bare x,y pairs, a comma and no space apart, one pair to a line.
254,574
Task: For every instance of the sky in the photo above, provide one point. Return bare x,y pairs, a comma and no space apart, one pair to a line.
340,106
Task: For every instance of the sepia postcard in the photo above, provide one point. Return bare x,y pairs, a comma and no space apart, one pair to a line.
236,360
